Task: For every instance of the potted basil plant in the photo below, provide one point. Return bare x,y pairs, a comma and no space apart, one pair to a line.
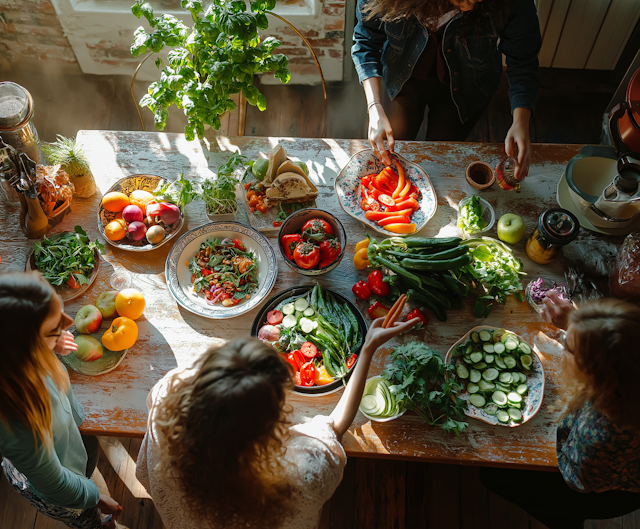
213,59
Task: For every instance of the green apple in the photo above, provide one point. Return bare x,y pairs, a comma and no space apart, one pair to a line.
106,303
511,228
89,349
259,168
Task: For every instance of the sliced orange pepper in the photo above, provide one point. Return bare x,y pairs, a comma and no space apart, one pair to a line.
379,215
401,228
406,189
394,220
403,204
401,180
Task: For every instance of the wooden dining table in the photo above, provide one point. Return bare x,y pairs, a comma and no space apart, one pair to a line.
170,336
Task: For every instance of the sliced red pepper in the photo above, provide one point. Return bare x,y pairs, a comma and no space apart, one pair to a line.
351,361
296,359
377,310
307,374
394,220
404,204
401,180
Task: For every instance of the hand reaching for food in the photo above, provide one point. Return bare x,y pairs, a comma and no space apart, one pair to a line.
65,344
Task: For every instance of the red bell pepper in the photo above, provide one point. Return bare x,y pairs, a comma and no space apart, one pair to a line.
296,359
307,374
377,310
417,313
351,361
362,290
289,243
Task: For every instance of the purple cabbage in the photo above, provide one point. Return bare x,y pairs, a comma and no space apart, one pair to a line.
538,291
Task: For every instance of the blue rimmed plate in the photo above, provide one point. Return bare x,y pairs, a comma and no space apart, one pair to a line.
179,276
365,162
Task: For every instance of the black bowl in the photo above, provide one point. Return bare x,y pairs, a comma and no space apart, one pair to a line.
261,319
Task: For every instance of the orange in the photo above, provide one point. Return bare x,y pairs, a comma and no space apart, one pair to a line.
122,334
130,303
116,230
115,201
141,198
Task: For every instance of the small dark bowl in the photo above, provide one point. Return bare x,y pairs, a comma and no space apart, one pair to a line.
261,319
294,223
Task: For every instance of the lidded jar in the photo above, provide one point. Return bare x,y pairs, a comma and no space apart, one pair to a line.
556,227
16,113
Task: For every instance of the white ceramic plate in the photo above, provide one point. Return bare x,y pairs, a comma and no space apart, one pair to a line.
179,276
365,162
535,381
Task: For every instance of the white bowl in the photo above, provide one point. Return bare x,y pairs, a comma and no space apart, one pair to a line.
379,419
488,214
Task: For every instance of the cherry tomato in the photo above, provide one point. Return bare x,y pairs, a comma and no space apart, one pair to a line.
316,230
417,313
308,349
351,361
364,204
72,281
374,205
306,255
261,207
251,194
239,246
329,252
361,290
253,210
377,284
193,278
277,223
289,243
274,317
224,296
254,201
247,186
308,374
235,301
206,272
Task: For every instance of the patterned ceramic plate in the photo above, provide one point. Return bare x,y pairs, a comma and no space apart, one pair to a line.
535,381
365,162
108,362
128,185
179,276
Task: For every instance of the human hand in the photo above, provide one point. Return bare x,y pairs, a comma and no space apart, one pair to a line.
518,135
377,336
556,311
110,506
65,344
379,128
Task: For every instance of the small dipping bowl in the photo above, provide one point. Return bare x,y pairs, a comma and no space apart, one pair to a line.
547,284
480,175
380,419
488,214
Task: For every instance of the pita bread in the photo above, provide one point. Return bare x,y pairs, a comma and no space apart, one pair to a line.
277,157
293,167
290,187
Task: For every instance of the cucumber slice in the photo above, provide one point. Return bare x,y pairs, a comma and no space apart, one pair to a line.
514,398
526,361
491,408
475,376
490,374
497,334
522,389
502,416
309,311
502,387
480,366
524,348
515,414
476,357
462,371
289,320
506,378
475,337
488,358
485,336
511,344
499,348
288,309
486,386
500,363
515,405
369,404
473,388
301,304
499,398
477,400
488,348
523,378
510,362
469,349
508,336
467,360
298,314
307,325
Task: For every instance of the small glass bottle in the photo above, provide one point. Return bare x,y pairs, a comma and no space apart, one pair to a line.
16,113
556,227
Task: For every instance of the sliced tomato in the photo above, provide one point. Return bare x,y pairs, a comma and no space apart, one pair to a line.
394,220
274,317
386,200
239,245
261,208
309,350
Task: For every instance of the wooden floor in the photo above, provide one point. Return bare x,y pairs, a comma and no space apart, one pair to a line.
374,493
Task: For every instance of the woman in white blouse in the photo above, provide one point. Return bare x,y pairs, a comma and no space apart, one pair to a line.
219,451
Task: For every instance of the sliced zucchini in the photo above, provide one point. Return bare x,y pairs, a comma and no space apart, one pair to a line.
488,358
511,344
502,387
485,336
307,325
301,304
308,311
480,365
491,408
486,386
474,376
475,337
499,398
488,348
499,348
289,320
469,349
497,334
467,360
477,400
490,374
515,414
515,405
476,357
508,336
500,363
506,378
462,371
524,348
514,397
526,361
369,405
522,389
523,378
502,416
509,361
288,309
473,388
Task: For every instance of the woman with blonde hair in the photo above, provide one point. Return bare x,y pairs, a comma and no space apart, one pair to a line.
44,456
220,453
598,436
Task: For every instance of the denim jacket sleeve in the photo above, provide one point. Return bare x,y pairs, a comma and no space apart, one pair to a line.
368,41
520,41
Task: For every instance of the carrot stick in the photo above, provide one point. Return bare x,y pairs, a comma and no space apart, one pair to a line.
392,311
393,319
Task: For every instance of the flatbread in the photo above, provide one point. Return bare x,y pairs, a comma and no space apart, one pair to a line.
277,157
290,187
293,167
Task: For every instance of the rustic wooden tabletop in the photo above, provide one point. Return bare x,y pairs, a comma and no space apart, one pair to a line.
170,336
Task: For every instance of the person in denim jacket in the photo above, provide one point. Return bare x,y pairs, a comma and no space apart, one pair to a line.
446,54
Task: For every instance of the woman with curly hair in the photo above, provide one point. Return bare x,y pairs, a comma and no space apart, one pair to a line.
598,436
220,453
446,54
44,456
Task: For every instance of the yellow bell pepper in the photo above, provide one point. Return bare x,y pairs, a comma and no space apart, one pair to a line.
363,244
322,377
122,334
360,260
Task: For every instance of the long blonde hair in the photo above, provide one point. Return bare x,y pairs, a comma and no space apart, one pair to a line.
607,361
224,429
25,359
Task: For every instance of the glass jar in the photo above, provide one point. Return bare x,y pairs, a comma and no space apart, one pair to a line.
556,227
16,113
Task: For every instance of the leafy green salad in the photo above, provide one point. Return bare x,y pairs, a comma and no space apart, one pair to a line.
471,216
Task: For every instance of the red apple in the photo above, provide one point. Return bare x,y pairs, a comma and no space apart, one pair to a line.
88,319
89,348
136,231
132,213
106,304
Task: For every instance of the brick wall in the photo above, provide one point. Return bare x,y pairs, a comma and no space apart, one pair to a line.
31,30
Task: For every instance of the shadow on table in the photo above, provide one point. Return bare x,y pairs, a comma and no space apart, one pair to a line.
225,330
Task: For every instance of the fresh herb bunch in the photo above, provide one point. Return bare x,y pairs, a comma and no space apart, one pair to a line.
472,216
208,62
66,152
283,214
69,254
424,383
220,194
181,192
495,271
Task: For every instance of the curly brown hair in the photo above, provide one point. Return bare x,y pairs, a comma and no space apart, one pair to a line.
224,429
429,11
607,360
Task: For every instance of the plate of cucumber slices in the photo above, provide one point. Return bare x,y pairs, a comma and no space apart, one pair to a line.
502,375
